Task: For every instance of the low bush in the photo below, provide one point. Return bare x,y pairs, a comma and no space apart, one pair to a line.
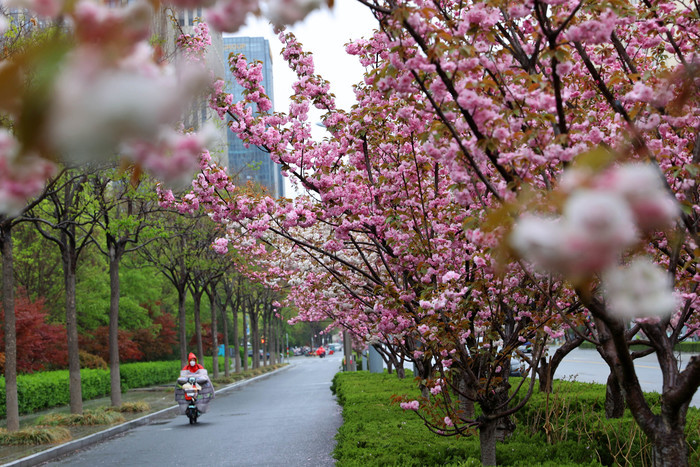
567,427
132,407
89,417
88,360
34,436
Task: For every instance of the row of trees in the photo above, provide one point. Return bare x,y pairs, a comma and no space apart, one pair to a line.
99,219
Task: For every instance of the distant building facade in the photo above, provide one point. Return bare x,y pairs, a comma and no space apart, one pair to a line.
251,163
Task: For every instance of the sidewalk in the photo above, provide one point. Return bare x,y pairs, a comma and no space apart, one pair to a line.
160,398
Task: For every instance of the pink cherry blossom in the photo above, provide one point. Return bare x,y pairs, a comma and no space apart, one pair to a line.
411,405
221,246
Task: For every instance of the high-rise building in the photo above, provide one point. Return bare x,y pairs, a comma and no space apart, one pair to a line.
251,163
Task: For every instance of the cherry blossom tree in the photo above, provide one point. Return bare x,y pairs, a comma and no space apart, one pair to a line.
608,91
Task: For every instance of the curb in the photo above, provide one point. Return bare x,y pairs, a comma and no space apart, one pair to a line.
71,446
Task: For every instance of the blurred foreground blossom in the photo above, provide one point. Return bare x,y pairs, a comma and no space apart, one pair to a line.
597,226
284,12
96,107
539,240
642,186
602,217
229,15
171,156
640,290
46,8
104,91
20,179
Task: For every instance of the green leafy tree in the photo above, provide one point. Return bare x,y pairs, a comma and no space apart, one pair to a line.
124,202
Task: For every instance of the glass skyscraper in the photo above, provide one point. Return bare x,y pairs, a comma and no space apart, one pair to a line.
251,163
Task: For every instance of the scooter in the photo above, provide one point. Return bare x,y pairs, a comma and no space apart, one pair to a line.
191,393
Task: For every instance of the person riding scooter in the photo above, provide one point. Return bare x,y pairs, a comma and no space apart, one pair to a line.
193,376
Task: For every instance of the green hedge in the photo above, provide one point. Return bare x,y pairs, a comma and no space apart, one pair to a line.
142,374
46,389
567,427
685,347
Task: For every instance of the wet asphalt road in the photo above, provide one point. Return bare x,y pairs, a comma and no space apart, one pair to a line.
588,366
287,419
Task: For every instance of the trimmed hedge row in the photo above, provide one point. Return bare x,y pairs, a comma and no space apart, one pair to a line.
46,389
565,428
686,347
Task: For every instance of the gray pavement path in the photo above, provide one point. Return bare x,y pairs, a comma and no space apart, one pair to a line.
287,419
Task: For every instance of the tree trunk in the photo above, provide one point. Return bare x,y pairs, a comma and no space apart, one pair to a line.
114,375
266,339
182,318
197,296
487,441
69,265
275,346
224,325
214,332
546,369
545,373
614,399
670,448
255,340
466,396
236,344
8,298
245,342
